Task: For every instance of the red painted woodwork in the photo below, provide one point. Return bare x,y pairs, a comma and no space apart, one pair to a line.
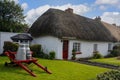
65,49
11,55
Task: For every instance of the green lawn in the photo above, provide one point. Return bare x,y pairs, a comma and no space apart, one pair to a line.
113,61
61,70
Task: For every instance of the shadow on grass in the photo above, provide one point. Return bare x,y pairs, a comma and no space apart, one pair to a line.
18,70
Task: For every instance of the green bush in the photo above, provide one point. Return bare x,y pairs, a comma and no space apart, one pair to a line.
10,46
73,54
46,56
38,52
115,52
52,55
115,47
109,55
36,49
110,75
97,55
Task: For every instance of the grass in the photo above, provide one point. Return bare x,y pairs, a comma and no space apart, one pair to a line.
61,70
113,61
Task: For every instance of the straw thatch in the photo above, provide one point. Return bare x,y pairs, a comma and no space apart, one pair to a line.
61,24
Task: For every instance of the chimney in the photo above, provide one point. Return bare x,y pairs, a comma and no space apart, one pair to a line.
114,24
98,18
70,10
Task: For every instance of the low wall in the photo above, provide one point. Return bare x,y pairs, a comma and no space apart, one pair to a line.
5,36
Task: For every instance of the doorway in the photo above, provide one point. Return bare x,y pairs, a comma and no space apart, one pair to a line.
65,49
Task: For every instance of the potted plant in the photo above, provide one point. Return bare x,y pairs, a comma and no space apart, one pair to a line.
73,54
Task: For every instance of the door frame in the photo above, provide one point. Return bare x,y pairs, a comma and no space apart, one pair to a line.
65,49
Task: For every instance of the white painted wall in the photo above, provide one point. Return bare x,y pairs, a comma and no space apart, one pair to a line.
5,36
87,48
50,43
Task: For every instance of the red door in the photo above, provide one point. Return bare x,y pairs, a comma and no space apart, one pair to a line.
65,49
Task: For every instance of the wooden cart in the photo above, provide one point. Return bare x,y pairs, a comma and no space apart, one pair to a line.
13,61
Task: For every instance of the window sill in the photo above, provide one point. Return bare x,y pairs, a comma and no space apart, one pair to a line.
78,52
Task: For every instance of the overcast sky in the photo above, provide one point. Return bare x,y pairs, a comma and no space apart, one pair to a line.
108,10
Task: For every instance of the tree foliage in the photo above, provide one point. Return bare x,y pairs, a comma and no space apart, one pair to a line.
11,17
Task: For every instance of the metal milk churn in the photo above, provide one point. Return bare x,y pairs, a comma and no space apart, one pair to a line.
21,53
23,50
28,52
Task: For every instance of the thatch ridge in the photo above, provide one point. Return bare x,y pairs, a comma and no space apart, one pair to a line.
60,24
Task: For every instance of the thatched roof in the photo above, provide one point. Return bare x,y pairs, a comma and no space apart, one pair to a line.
21,37
61,24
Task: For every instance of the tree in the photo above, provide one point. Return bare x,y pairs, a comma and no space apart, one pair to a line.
11,17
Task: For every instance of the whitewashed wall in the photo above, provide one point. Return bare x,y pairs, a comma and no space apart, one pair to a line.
87,48
50,43
5,36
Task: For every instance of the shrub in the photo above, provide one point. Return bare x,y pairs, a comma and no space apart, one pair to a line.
36,49
46,56
115,52
109,55
52,55
38,52
10,46
115,47
110,75
73,54
97,55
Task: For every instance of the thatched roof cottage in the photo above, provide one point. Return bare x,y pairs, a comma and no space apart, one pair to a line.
63,31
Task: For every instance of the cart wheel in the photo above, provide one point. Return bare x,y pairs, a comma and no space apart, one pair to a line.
6,64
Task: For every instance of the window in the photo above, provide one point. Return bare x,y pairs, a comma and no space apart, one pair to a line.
109,46
95,47
76,47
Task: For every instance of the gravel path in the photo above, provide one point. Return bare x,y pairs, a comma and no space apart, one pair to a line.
98,64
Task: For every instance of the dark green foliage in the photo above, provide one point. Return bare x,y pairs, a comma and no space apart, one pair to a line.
10,46
116,51
11,17
97,55
115,47
52,55
45,56
73,54
38,52
110,75
109,55
36,49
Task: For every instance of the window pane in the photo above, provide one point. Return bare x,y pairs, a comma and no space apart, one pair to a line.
76,46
